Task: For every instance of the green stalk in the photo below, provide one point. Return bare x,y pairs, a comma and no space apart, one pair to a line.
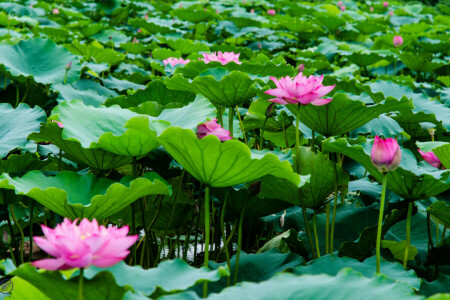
12,255
65,77
146,237
17,95
207,225
80,284
380,223
239,247
241,124
22,236
221,115
315,234
333,221
133,212
327,228
443,235
230,119
262,134
224,237
408,234
285,136
31,230
437,231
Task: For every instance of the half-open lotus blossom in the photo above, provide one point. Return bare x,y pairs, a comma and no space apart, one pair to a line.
386,154
175,61
83,245
300,89
271,12
431,158
211,127
223,58
397,41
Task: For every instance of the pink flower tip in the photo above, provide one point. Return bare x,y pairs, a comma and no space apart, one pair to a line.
59,124
271,12
391,13
397,41
300,90
55,11
385,4
223,58
342,7
175,61
82,245
212,128
431,158
386,154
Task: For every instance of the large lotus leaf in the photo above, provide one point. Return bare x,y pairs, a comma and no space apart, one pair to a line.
16,124
40,59
420,63
96,52
364,59
147,282
155,91
331,265
441,211
220,164
194,16
194,68
330,21
114,129
344,114
54,286
366,27
185,46
154,25
285,242
96,158
84,196
410,181
347,284
21,163
256,115
441,149
383,126
219,85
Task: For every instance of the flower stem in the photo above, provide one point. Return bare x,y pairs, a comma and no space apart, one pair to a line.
333,221
31,230
239,246
297,139
241,124
380,223
80,284
65,77
230,119
207,225
285,136
221,115
224,237
262,133
327,229
408,234
315,234
22,236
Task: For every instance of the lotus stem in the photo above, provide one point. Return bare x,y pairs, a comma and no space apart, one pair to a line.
380,223
225,242
313,141
146,235
17,95
80,284
207,226
22,236
408,234
285,136
437,231
133,211
31,230
443,234
315,234
221,115
230,119
65,76
327,229
241,124
239,246
262,133
333,221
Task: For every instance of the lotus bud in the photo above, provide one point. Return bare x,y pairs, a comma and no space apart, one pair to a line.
271,12
6,238
254,188
270,111
431,158
301,68
146,17
55,11
386,154
391,13
342,7
385,4
339,3
371,9
259,46
252,11
134,41
397,41
217,11
180,6
139,30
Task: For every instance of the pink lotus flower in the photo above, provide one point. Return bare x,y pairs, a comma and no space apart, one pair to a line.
340,3
371,9
431,158
391,13
271,12
223,58
397,41
217,11
385,4
146,17
252,11
83,245
301,89
301,68
135,41
342,7
55,11
386,154
139,30
59,124
211,127
175,61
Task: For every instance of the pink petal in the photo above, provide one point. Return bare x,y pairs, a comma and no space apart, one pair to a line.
319,102
51,264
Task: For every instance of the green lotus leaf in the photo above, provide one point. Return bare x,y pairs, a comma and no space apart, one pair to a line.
185,46
220,164
84,196
155,91
101,55
121,85
420,63
382,126
55,287
95,158
330,21
441,211
154,25
21,163
364,59
155,280
54,33
194,16
110,35
398,249
40,59
440,149
194,68
347,284
331,265
320,184
344,114
409,181
16,124
366,27
219,85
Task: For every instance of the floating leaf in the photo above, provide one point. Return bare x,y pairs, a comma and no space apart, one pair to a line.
398,249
